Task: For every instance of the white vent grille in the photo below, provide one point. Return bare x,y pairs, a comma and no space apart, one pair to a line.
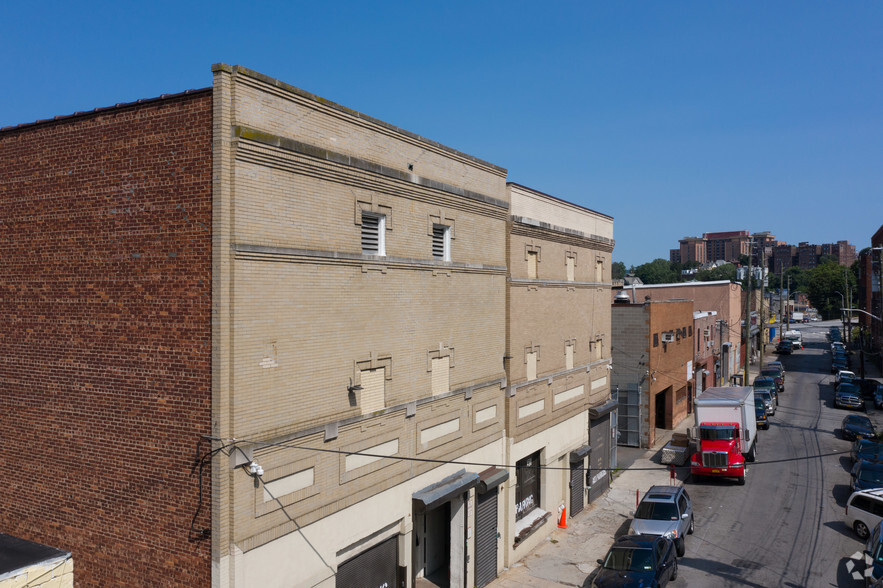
440,242
372,234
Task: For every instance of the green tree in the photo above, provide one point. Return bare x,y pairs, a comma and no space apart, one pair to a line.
658,271
618,270
826,284
722,272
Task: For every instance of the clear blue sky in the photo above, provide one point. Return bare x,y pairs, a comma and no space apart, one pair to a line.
675,118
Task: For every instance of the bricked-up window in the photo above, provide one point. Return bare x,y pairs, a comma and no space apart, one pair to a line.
441,242
532,258
599,270
373,233
373,395
441,375
527,485
531,361
568,356
571,268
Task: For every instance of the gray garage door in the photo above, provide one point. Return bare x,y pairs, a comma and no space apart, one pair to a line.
485,537
599,463
375,567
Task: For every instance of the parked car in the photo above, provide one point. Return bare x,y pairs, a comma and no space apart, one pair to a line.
878,397
768,401
874,553
861,442
763,421
777,364
838,364
644,560
848,396
856,426
767,383
867,475
843,376
776,373
666,511
785,347
872,453
864,511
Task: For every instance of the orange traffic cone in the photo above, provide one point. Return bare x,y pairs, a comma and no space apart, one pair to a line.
562,522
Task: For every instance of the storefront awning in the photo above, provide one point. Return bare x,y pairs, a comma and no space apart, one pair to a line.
580,454
442,491
490,479
596,412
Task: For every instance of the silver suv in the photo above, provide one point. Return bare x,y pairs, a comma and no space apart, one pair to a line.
666,511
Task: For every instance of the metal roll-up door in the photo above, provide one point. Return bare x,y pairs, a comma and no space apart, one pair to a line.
377,566
599,463
485,537
577,487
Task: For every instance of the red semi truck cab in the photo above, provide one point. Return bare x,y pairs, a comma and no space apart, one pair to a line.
725,435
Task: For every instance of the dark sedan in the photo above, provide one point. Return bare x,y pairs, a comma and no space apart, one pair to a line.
855,426
638,560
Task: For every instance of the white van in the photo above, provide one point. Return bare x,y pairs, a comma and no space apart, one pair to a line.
864,511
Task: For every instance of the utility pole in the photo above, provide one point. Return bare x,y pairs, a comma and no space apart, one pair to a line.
746,381
761,320
788,301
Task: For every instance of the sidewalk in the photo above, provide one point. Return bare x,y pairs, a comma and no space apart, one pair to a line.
569,556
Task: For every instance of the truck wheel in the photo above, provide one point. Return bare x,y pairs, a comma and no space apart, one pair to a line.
681,546
741,480
752,453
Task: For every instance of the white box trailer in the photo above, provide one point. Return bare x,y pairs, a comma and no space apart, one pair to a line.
725,434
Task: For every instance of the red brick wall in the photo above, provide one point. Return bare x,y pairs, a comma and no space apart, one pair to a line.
105,339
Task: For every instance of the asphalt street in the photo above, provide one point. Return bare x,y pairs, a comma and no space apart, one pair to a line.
784,527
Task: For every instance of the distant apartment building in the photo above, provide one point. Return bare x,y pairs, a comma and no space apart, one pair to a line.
776,255
692,249
264,338
808,255
784,256
842,251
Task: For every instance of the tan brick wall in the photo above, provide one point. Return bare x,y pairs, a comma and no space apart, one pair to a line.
550,311
307,312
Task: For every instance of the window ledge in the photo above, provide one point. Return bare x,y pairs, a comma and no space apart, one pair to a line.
529,524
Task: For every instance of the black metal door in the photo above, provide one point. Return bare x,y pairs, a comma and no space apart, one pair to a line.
485,537
374,568
577,487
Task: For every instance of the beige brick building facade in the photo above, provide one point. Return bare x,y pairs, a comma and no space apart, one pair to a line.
558,353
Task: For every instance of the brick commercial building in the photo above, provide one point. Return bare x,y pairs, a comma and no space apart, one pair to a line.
652,349
717,310
255,338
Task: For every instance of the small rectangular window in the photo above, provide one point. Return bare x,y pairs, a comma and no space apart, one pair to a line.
441,242
655,339
373,229
568,357
571,268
